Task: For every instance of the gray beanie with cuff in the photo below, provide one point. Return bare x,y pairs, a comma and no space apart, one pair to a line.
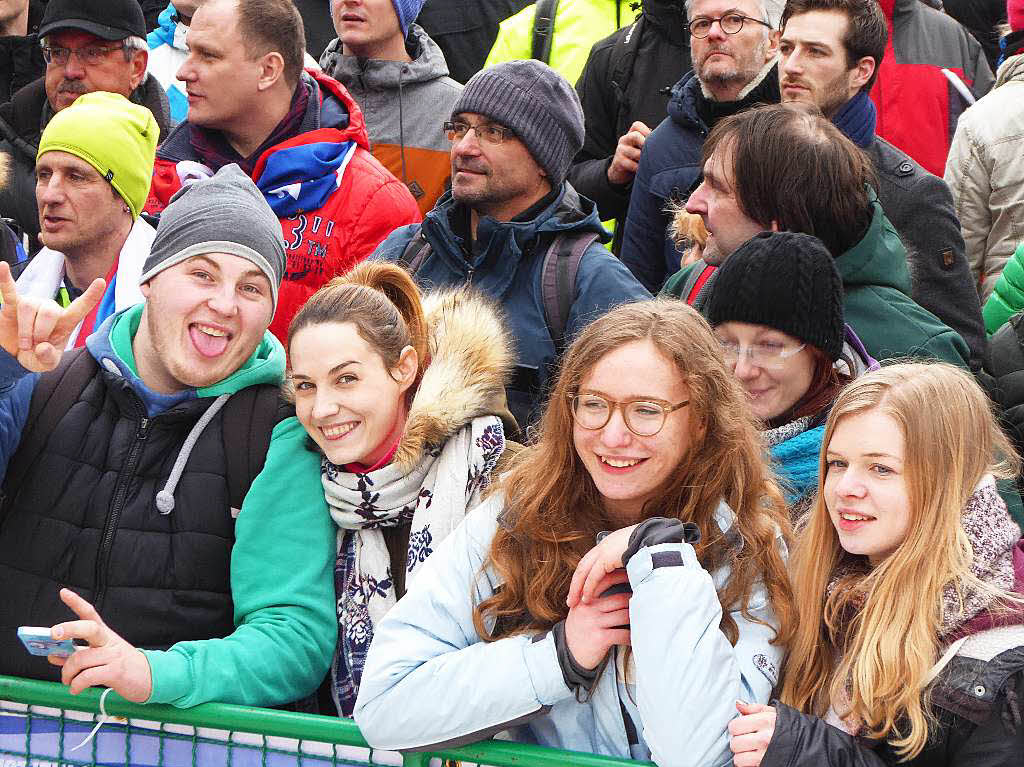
537,103
225,213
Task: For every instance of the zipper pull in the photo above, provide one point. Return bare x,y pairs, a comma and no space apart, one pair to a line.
143,428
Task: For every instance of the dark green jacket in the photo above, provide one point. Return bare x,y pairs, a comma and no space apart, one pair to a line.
877,301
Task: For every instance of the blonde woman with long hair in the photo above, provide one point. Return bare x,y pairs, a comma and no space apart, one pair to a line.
634,644
908,579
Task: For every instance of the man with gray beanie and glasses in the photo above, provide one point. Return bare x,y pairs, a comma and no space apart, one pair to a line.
513,227
143,475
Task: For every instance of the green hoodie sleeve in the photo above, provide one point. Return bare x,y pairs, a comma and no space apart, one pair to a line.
283,589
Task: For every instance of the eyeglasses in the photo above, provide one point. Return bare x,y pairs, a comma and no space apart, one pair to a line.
456,130
766,355
88,55
731,23
644,418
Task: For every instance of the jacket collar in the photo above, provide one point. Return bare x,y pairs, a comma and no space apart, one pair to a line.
690,107
471,356
1012,69
501,245
330,106
372,74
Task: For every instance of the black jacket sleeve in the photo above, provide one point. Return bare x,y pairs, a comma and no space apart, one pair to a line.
801,739
589,171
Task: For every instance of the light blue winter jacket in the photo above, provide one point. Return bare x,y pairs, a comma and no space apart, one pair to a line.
430,680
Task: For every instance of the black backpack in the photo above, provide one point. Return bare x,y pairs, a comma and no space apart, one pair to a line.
558,275
249,417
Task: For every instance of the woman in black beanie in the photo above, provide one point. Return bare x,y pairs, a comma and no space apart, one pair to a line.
777,310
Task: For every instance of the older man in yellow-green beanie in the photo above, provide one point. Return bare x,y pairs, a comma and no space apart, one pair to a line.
93,170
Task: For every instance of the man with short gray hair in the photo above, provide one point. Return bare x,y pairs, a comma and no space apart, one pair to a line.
88,45
733,44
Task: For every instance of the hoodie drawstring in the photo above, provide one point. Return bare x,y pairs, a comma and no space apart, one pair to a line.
165,498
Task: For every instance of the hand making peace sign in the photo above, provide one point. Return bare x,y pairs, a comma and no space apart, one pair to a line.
36,330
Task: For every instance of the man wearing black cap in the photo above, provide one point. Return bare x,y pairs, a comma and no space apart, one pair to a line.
89,45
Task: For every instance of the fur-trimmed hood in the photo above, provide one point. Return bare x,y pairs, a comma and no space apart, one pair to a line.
471,357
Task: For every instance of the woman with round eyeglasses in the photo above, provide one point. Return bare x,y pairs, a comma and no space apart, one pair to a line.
777,311
622,585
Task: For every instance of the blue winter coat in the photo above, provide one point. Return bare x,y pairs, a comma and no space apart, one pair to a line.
506,268
669,168
430,679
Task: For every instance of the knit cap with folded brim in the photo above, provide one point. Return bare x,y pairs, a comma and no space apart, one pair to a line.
786,281
225,213
537,103
115,136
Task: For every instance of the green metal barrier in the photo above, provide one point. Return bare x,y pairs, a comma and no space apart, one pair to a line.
40,722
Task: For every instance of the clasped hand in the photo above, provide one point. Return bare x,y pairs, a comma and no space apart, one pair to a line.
592,626
109,660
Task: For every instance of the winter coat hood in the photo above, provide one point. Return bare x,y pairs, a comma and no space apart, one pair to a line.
427,64
471,356
670,17
879,259
111,345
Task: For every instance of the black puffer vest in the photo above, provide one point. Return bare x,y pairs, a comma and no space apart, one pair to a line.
84,515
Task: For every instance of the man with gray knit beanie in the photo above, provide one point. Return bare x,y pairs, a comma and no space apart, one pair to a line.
159,455
511,217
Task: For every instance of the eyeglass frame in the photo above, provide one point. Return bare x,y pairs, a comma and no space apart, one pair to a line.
743,350
99,51
667,409
501,131
711,22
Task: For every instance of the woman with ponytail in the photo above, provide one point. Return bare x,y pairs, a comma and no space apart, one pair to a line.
404,397
908,577
534,618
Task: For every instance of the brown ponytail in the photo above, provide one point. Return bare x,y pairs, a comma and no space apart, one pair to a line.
382,301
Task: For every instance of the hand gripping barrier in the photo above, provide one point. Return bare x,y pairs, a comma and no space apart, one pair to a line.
41,722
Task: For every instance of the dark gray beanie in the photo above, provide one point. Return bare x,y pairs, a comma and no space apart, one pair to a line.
534,101
225,213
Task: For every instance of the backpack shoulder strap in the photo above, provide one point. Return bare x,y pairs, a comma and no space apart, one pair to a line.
414,253
54,394
249,418
543,29
623,58
558,281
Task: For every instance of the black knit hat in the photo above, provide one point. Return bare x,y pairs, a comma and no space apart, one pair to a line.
787,281
537,103
107,19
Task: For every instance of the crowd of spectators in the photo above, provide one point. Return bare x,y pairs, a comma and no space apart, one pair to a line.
355,362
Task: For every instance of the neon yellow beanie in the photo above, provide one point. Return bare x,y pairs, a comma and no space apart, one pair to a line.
115,136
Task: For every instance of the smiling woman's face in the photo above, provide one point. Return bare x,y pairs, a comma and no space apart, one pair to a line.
628,469
772,388
350,403
865,484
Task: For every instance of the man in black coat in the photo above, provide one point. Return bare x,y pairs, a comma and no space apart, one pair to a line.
624,89
829,53
21,59
94,45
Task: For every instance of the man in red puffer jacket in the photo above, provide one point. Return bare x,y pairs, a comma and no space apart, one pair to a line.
299,135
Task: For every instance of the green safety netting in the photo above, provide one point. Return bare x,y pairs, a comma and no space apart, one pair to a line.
41,724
